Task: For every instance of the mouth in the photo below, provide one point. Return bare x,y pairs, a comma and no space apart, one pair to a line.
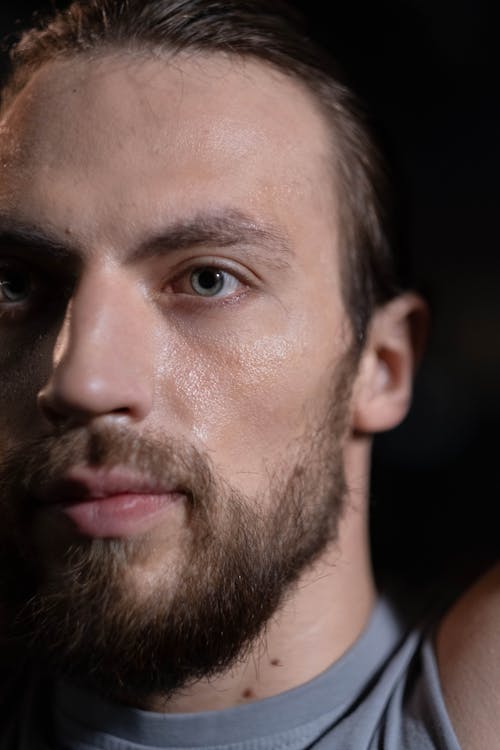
109,503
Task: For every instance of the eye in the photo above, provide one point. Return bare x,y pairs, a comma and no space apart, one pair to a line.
212,282
16,286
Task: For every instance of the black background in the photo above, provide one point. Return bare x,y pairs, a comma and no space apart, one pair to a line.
428,71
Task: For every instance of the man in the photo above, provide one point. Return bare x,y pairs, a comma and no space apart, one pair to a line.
200,333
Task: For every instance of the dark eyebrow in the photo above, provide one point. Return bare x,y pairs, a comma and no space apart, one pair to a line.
227,228
222,229
27,241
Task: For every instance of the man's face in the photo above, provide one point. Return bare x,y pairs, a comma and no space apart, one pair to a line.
171,322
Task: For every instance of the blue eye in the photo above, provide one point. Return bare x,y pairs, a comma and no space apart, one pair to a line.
15,286
210,282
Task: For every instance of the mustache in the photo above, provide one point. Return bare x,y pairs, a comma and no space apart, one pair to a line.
28,470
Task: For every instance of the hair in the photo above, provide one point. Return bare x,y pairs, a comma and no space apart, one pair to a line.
267,31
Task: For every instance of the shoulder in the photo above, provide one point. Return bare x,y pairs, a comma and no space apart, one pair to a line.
468,657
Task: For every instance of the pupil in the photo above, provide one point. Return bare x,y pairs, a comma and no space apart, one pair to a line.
207,282
208,278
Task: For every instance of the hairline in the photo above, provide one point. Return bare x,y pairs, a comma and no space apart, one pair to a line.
331,115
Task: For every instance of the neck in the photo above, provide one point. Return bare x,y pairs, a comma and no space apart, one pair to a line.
322,617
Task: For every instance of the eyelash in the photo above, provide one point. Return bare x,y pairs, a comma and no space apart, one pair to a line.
230,276
46,292
38,285
12,308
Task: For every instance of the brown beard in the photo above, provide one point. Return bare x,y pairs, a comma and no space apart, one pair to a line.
70,606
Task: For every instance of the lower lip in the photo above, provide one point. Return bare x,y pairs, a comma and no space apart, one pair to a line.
123,515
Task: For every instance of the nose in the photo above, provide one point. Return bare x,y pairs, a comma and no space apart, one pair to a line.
103,358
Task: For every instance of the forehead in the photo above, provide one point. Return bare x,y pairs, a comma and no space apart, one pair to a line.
88,141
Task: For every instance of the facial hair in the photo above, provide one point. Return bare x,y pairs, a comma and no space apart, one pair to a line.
73,606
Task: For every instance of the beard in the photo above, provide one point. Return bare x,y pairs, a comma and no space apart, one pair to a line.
78,608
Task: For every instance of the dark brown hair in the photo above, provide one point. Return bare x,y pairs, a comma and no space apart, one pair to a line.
269,31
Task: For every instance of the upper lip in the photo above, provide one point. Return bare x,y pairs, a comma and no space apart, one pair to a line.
84,483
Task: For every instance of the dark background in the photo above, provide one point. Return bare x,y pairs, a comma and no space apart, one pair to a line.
428,71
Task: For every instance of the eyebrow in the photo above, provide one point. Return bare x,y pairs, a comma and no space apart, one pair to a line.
228,228
24,237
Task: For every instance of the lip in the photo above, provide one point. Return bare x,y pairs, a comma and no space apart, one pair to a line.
84,483
103,503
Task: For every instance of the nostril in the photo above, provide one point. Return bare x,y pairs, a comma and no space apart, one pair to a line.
124,410
62,411
49,410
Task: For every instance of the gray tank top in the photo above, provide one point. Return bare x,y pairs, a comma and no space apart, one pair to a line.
384,693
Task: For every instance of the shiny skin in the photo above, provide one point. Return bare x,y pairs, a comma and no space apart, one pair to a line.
102,154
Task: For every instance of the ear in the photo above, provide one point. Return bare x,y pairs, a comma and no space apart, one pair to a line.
394,346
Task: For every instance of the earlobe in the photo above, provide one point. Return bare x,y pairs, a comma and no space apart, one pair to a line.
394,345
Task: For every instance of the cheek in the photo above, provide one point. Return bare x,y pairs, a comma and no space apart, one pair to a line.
244,398
24,369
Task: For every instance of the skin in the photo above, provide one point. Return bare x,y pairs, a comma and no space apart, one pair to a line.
102,155
469,663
